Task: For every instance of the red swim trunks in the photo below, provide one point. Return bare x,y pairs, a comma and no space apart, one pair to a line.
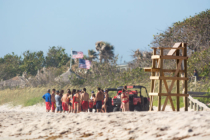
90,104
84,105
53,106
47,105
65,107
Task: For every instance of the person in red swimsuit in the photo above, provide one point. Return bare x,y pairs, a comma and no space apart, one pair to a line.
77,102
127,91
85,100
65,101
125,100
53,100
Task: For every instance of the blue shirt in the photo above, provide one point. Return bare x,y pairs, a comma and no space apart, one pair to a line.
47,97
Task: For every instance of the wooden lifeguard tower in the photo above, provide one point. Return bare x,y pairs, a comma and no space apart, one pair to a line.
179,53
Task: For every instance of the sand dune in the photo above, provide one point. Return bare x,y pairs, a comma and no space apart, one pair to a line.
36,124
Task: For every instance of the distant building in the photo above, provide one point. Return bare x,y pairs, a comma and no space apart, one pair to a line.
123,66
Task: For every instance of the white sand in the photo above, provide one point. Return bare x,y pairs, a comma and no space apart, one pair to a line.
33,122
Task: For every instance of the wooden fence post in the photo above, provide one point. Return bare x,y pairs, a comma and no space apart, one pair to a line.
191,105
195,106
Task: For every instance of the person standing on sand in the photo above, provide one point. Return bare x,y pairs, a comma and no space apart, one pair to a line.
58,102
53,100
91,101
85,100
106,101
70,99
80,104
61,93
47,98
77,102
99,98
127,91
64,100
125,100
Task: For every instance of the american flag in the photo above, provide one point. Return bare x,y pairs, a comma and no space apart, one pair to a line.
85,64
76,54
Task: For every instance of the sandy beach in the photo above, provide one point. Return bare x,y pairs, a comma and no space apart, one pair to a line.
33,123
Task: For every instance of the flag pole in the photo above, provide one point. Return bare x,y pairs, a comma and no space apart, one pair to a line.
70,61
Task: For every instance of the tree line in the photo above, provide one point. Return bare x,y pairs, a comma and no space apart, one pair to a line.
13,65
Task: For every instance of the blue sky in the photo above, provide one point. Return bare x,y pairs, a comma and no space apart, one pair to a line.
127,24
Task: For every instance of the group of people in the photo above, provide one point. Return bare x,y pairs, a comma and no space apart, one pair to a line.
76,101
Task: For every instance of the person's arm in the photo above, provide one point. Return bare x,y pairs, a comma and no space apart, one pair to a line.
50,99
43,96
81,98
96,97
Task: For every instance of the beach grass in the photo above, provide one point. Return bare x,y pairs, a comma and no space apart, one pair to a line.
32,95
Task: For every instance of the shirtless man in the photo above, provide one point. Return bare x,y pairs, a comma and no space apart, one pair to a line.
53,100
65,102
99,98
85,100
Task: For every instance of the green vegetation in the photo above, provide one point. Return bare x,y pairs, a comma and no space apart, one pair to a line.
33,101
13,65
104,73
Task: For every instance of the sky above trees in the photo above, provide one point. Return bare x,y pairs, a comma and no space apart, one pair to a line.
127,25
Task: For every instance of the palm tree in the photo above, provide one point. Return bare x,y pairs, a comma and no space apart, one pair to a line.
106,51
92,55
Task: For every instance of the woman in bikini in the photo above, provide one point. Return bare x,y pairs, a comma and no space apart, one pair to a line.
127,91
125,100
77,102
70,98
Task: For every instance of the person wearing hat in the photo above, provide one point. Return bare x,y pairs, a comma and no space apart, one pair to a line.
47,98
58,102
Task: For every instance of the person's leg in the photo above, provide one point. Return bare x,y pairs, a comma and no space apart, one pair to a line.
128,107
57,109
75,107
69,107
105,108
53,107
124,107
78,108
